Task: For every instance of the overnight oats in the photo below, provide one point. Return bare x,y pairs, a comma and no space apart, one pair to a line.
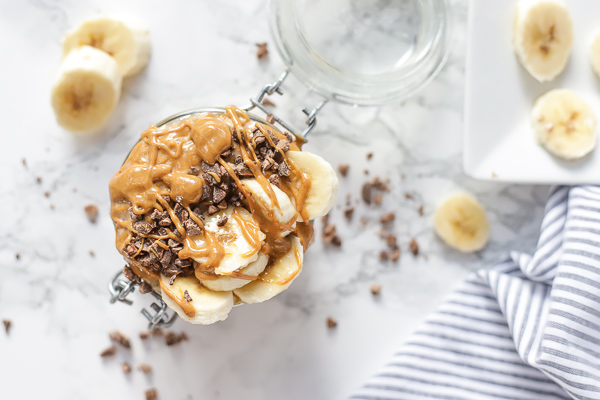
214,210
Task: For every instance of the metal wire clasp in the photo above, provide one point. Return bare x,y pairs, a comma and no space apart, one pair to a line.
275,87
120,287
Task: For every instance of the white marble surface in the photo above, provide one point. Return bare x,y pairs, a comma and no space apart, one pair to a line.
204,54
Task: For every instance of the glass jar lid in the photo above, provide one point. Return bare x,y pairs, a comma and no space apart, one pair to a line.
362,52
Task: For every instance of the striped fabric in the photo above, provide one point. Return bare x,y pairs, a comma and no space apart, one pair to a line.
527,329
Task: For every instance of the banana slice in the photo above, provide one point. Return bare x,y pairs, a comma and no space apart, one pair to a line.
461,222
87,89
543,37
275,279
324,182
227,283
240,238
128,43
595,54
564,124
286,210
205,306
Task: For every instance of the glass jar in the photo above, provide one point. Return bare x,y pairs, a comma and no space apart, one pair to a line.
362,52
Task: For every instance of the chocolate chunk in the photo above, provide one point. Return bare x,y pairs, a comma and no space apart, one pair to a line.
331,323
409,196
91,210
212,209
242,170
377,199
343,168
166,198
367,193
174,245
148,242
391,241
222,221
226,153
349,212
126,367
384,255
330,235
148,260
162,231
420,210
222,205
151,394
375,289
183,263
131,249
38,179
47,194
128,272
119,338
192,228
187,296
369,156
270,119
134,217
275,180
157,215
283,145
388,218
145,288
172,280
194,170
395,255
214,168
414,247
165,259
143,227
156,249
172,338
258,140
266,102
145,368
267,164
181,213
336,241
18,256
283,169
208,178
7,325
219,195
109,352
261,51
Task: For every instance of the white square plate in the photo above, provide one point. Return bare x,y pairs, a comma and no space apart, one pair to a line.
499,143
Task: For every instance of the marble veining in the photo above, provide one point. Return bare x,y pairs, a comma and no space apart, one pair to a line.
204,54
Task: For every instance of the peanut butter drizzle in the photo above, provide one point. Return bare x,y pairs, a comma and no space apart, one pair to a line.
187,308
161,164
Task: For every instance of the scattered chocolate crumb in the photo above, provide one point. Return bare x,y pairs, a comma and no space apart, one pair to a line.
47,193
18,256
24,161
145,288
52,206
366,171
336,241
109,352
38,179
92,253
331,323
145,368
395,255
270,119
154,332
391,240
414,247
349,212
378,198
144,335
126,367
375,289
172,338
212,209
262,51
343,168
222,221
384,255
388,218
420,210
329,232
118,337
275,180
129,274
187,296
409,196
151,394
143,227
266,102
369,156
366,193
91,210
7,325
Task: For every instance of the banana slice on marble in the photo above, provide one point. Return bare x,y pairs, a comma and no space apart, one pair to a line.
204,307
87,89
324,182
241,248
276,278
227,283
461,222
543,37
284,212
127,42
564,124
595,54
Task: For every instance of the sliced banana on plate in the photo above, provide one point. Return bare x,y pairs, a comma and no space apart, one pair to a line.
87,89
564,124
202,306
543,37
595,54
240,236
227,283
461,222
276,278
324,182
128,43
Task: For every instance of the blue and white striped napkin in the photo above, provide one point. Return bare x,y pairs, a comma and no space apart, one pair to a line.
526,329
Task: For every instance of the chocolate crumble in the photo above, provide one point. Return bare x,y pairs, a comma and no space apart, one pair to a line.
18,256
109,352
375,289
343,169
126,367
145,288
151,394
145,368
7,325
388,218
187,296
91,210
349,212
266,102
331,323
262,51
414,247
118,337
172,338
270,119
